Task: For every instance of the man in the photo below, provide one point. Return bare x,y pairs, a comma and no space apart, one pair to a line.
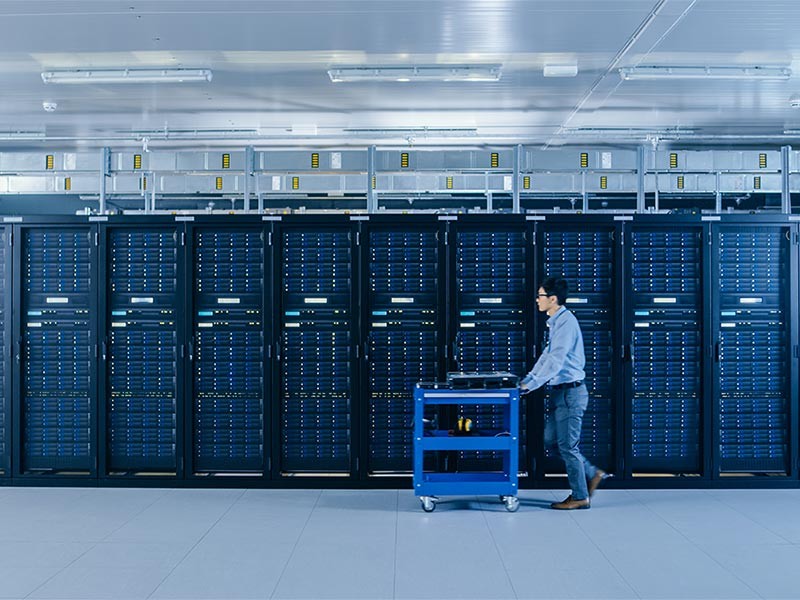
561,367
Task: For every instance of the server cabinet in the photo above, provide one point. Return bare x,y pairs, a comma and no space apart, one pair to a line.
56,351
229,381
752,349
141,376
316,349
664,373
489,301
403,331
5,341
586,255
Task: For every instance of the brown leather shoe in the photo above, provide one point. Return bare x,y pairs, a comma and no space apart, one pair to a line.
571,504
595,481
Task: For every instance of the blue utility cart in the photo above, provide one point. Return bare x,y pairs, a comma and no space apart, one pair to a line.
428,485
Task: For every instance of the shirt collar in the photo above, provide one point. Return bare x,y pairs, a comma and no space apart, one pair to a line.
557,314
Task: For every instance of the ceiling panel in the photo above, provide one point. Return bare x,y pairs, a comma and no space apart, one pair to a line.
270,60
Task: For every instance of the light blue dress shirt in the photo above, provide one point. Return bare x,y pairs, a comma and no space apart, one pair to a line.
563,358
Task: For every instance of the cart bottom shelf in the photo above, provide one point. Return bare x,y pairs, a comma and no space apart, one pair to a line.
454,484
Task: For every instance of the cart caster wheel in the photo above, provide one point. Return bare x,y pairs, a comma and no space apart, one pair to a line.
512,503
428,505
502,498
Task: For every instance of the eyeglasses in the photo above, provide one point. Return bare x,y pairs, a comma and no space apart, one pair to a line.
543,295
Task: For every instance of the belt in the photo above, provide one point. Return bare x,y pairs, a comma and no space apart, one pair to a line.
571,384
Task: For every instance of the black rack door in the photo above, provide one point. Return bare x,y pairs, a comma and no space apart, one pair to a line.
752,350
585,258
489,327
402,333
141,350
665,395
58,351
227,351
316,350
5,344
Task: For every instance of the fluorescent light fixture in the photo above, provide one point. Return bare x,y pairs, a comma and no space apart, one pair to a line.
661,72
560,70
89,76
416,73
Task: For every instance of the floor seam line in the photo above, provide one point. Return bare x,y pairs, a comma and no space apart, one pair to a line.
499,554
296,543
202,537
684,536
603,554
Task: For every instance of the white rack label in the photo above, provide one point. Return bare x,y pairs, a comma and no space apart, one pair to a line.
665,300
228,301
402,301
315,300
490,300
57,300
147,300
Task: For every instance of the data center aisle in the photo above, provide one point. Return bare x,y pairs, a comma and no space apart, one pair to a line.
153,543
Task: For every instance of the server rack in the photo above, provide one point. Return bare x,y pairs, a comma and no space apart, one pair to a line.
755,386
403,329
230,329
588,256
665,395
490,305
5,342
316,351
141,374
56,350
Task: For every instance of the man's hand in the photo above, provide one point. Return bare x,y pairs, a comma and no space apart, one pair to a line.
524,389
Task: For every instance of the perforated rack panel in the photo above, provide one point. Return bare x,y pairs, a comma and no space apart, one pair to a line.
490,319
586,259
316,340
402,338
228,351
667,357
753,349
57,351
5,413
142,350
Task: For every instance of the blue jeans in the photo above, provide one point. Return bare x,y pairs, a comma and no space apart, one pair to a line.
563,429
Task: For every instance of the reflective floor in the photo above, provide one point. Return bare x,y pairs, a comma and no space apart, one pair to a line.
229,544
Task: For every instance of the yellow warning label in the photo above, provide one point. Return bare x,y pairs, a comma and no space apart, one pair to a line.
762,160
50,162
67,183
315,160
526,182
226,161
604,183
449,183
495,160
218,183
680,182
295,183
137,161
584,160
404,160
673,160
757,182
374,182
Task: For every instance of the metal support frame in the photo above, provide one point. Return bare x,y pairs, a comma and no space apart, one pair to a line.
786,192
718,195
372,199
249,156
640,173
105,171
518,153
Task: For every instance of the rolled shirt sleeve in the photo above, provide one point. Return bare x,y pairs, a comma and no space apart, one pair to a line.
563,359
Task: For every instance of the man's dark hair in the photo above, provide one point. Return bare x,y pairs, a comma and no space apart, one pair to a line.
556,286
